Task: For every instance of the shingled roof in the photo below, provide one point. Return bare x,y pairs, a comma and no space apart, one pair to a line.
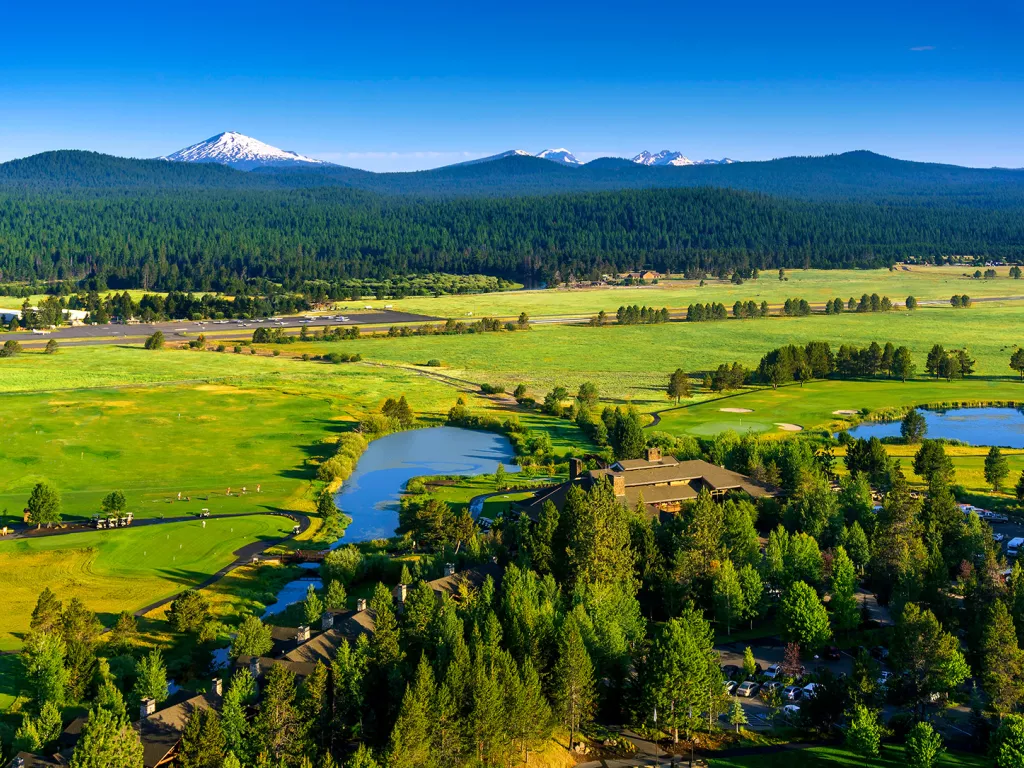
161,731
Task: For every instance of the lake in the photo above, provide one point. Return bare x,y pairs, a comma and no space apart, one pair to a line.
978,426
371,495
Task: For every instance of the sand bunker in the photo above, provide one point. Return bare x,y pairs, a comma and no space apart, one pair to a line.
845,413
789,427
735,410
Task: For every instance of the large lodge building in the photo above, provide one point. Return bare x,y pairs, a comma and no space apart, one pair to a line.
663,483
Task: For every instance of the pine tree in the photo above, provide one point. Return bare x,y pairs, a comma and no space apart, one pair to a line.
679,385
202,742
412,735
996,468
312,606
151,677
1007,748
362,758
314,707
42,661
107,740
845,609
542,536
46,614
1002,661
683,676
276,728
234,721
749,663
573,680
728,596
44,506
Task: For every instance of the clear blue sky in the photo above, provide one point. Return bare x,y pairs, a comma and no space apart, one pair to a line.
397,85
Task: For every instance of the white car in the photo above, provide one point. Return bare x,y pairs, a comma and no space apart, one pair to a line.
810,689
773,671
998,537
790,710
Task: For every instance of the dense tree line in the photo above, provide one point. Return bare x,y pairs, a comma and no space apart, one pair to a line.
218,240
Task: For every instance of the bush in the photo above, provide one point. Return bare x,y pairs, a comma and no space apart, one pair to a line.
221,348
277,352
433,363
492,389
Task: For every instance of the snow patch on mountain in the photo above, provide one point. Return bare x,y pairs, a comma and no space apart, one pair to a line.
239,151
668,157
499,156
562,156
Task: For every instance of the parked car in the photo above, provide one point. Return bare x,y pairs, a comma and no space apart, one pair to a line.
880,652
884,678
792,693
773,671
730,670
998,537
774,685
790,710
810,689
730,687
748,689
997,517
832,653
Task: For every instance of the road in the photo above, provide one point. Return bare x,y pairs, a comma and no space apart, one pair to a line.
184,330
374,322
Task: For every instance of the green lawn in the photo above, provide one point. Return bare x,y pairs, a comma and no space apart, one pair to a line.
815,285
834,757
120,570
812,405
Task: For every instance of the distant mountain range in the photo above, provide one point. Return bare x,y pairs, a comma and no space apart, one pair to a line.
668,157
851,176
244,153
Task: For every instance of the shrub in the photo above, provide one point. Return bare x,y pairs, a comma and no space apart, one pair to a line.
433,363
221,348
492,389
238,349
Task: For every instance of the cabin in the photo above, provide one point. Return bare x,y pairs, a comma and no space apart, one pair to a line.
663,483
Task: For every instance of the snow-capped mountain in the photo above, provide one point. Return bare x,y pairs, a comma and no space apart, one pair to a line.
668,157
239,151
561,156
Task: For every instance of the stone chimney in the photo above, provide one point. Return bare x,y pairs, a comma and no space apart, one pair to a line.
449,569
254,667
654,453
147,708
400,592
619,484
575,468
361,604
302,635
326,621
217,687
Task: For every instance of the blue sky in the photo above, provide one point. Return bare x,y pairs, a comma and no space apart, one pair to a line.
397,86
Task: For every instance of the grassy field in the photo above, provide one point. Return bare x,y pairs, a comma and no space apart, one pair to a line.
815,285
633,363
834,757
113,571
215,421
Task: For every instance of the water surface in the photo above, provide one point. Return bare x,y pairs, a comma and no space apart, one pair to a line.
978,426
370,496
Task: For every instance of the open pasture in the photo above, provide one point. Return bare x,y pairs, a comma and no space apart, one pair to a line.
120,570
632,363
815,285
215,421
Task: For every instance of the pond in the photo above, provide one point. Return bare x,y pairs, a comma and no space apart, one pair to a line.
291,593
977,426
370,496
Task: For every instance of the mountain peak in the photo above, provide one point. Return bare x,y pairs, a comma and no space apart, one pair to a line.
561,156
238,151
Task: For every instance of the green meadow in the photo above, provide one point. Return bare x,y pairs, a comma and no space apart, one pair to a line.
120,570
632,363
815,285
195,423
